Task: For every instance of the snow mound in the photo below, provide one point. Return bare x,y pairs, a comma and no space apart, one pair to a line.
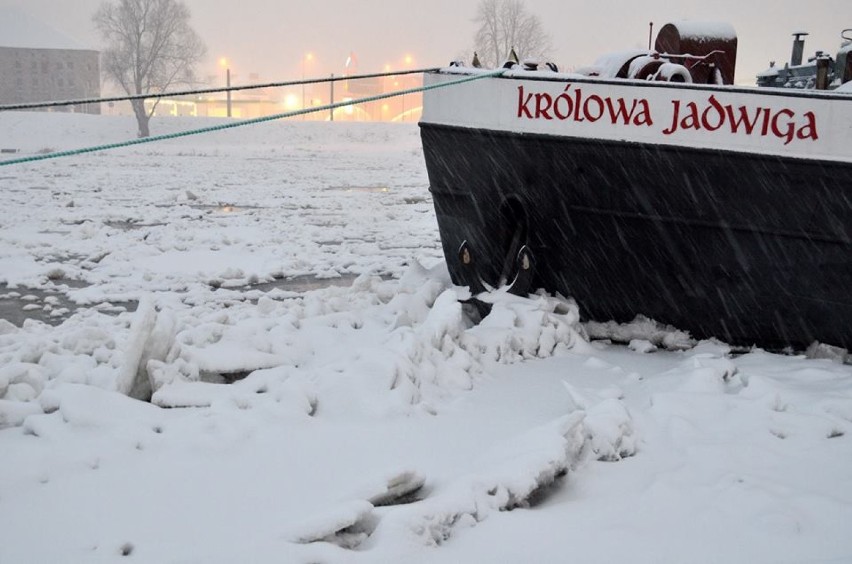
512,474
346,526
609,431
397,488
641,329
519,473
349,524
382,345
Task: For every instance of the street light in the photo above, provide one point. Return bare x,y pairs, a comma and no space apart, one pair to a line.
409,60
224,63
307,58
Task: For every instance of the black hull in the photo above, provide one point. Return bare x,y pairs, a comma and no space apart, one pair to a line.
751,249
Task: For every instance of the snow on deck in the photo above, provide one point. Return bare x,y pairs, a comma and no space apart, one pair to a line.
705,29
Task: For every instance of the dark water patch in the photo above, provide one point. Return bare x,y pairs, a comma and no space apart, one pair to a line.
130,225
54,232
224,208
51,304
378,188
305,283
67,258
415,200
223,378
61,283
20,304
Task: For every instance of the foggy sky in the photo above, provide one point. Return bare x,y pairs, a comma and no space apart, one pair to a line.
271,39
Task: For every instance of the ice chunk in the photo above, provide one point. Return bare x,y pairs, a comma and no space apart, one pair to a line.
132,379
347,525
642,346
398,489
609,430
13,413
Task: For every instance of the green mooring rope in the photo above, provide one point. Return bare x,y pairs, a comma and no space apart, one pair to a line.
242,123
196,92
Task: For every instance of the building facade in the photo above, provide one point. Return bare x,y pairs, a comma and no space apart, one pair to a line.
39,75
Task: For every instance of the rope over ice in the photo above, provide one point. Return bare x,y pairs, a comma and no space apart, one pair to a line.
246,122
83,101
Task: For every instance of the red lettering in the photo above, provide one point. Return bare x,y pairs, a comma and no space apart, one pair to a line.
578,103
809,130
543,103
742,119
675,115
600,109
788,135
563,106
691,121
714,106
621,113
784,124
523,105
765,129
644,115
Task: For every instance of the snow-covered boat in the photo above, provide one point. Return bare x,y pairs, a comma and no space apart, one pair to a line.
649,184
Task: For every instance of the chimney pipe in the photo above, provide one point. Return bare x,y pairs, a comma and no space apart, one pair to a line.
823,61
798,48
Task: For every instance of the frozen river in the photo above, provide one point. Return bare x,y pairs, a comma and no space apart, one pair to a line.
244,347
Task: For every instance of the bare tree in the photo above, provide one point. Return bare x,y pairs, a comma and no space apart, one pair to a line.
504,24
150,47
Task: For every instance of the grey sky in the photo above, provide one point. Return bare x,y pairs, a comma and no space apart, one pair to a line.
270,38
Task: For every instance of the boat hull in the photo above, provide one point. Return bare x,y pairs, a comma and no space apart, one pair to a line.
748,248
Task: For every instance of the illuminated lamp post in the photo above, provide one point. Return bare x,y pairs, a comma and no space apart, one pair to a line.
408,62
386,87
224,63
307,58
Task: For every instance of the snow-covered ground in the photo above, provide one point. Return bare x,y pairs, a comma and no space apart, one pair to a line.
370,421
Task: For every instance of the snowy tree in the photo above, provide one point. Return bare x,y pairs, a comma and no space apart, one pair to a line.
150,46
504,24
